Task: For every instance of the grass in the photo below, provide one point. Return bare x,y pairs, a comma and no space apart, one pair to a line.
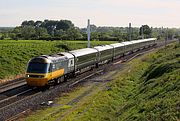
148,89
14,55
66,104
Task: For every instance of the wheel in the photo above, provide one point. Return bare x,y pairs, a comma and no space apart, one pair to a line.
65,78
59,80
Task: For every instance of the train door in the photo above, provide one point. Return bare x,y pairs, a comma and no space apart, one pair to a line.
71,65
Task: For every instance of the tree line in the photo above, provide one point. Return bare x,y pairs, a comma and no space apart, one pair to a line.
66,30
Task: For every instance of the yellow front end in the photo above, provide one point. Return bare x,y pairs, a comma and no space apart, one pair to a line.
40,80
34,79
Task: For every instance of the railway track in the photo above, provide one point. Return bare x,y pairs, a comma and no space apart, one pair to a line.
12,105
28,94
13,84
13,96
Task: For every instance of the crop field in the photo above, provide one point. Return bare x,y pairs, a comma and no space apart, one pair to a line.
14,55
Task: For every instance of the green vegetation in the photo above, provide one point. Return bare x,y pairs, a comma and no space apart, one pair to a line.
148,89
65,30
14,55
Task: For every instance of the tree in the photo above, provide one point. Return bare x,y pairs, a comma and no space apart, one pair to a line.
117,34
170,33
146,31
41,32
64,25
103,36
2,37
16,33
60,33
38,23
94,36
28,23
50,26
28,32
74,33
13,36
93,28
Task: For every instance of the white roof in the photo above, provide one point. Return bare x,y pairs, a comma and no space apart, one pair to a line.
151,39
68,55
56,57
142,40
145,40
51,58
84,51
135,41
127,43
115,45
104,47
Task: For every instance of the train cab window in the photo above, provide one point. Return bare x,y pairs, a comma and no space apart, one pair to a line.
50,68
34,67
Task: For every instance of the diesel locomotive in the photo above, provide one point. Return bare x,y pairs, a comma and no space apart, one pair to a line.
49,69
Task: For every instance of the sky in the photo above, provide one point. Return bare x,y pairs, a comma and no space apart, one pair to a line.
155,13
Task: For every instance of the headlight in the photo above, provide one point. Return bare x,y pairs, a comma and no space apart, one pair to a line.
35,76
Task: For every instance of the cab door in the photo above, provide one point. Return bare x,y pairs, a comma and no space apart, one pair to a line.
71,65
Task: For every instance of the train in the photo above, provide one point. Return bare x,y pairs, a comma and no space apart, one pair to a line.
45,70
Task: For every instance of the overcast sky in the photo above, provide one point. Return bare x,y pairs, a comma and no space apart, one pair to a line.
155,13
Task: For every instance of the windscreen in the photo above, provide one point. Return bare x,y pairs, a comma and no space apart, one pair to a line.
38,68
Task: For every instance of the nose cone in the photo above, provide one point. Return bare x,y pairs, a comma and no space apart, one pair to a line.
37,82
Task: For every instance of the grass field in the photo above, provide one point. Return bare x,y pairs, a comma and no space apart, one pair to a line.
148,89
14,55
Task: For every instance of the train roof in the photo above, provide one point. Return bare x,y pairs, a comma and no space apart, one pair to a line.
135,41
56,58
143,40
104,47
40,59
127,43
48,58
151,39
67,54
84,51
115,45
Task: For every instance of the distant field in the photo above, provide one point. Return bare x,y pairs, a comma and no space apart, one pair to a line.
14,55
